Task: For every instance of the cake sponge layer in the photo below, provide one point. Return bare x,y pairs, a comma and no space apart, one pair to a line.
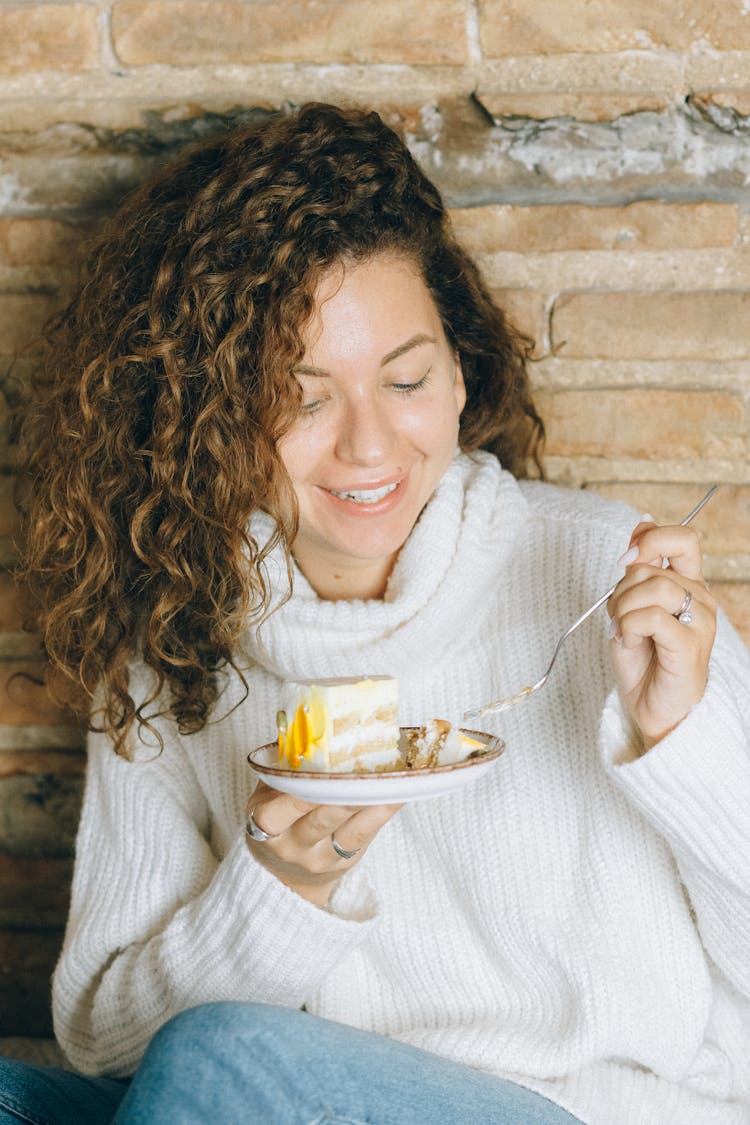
339,724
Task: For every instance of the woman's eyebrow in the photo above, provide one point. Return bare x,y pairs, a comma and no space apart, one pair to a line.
412,342
305,369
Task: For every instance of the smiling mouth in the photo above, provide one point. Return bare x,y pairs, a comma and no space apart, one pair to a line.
365,495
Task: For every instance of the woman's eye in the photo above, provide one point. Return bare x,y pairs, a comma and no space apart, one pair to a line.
410,388
311,407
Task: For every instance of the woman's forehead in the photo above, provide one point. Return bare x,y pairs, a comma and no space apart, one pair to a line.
382,300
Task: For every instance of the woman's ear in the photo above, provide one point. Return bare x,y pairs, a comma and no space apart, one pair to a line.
459,386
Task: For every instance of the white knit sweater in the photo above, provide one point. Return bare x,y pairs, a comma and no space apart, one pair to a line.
578,922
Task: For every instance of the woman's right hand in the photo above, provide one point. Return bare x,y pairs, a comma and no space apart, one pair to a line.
300,850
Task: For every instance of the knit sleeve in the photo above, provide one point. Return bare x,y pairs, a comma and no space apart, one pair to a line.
694,788
158,922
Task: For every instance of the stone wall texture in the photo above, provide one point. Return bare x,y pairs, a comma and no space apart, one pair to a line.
596,158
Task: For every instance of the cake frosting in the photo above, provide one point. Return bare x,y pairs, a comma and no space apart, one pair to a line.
339,725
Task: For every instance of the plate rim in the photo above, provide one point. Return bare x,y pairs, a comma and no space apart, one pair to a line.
494,741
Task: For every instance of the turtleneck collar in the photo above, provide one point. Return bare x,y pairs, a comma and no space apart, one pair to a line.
443,573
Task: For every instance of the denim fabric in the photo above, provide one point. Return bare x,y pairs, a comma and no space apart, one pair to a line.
272,1066
47,1095
238,1064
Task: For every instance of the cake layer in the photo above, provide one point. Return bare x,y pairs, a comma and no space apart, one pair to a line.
334,724
438,743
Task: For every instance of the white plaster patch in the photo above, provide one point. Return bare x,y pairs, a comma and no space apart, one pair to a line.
472,33
426,154
645,41
432,122
624,235
704,46
643,145
11,192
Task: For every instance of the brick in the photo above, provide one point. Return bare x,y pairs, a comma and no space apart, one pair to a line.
17,645
10,610
101,99
184,33
723,525
515,27
631,73
40,242
622,271
39,812
572,226
525,309
714,71
552,373
580,104
24,697
34,892
48,37
34,738
710,325
27,959
679,425
41,761
22,317
738,100
725,26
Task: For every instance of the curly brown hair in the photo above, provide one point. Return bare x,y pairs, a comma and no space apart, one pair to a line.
168,384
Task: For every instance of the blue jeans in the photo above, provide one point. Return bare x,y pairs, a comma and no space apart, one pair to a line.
236,1063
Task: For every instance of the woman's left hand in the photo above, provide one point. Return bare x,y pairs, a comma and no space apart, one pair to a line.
660,662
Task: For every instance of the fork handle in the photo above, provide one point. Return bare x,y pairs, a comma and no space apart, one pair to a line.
611,590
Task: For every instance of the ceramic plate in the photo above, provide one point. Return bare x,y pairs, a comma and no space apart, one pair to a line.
385,788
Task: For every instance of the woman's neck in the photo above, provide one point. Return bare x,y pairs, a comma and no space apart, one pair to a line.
366,580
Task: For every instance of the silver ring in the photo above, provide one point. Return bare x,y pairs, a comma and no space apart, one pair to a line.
255,832
342,851
683,615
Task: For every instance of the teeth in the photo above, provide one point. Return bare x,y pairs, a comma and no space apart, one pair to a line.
366,496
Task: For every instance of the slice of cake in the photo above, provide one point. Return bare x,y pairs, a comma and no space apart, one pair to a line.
437,743
339,725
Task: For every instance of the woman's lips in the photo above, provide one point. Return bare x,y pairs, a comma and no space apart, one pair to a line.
373,501
365,495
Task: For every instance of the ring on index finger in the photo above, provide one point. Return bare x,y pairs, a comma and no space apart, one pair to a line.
255,832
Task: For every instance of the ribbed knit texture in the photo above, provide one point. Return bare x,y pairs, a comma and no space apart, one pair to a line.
578,921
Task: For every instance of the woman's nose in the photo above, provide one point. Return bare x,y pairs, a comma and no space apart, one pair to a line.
365,435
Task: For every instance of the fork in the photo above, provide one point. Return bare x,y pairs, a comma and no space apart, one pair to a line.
501,705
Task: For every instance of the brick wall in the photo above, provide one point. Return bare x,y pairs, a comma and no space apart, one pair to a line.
596,157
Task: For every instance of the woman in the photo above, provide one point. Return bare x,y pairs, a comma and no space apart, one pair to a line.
288,438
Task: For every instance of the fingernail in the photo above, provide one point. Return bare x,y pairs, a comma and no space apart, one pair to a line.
612,632
628,557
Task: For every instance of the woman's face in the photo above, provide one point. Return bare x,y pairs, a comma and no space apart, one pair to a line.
382,394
